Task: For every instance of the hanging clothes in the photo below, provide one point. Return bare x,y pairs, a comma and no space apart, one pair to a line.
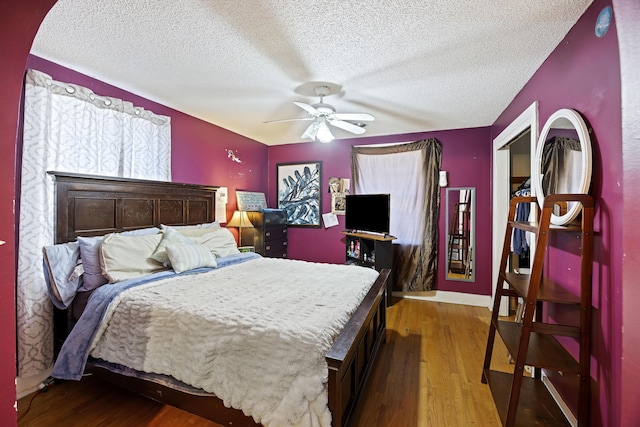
519,241
520,244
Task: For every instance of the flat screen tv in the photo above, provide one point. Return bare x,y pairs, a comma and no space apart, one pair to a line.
367,212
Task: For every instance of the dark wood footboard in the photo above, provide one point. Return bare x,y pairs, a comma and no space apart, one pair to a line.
352,356
350,361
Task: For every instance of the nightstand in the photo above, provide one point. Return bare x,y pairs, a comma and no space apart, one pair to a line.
269,233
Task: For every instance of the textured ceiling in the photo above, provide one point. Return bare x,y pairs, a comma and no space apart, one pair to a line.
415,65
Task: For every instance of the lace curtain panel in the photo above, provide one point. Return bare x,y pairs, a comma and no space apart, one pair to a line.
409,173
69,128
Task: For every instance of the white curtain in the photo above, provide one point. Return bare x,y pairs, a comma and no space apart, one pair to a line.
409,173
69,128
400,175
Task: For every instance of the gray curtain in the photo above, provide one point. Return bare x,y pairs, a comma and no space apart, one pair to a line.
554,159
415,263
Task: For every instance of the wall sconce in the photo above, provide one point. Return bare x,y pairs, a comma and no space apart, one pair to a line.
443,179
240,219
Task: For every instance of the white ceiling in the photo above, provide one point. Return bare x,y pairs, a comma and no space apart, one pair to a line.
415,65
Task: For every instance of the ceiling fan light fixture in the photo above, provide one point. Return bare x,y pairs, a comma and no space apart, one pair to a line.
311,131
319,131
323,115
324,134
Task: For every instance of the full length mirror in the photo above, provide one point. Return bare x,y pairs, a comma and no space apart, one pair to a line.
563,162
461,232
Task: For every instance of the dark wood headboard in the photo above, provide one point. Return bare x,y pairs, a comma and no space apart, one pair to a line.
89,205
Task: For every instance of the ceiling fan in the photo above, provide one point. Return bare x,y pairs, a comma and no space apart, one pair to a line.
323,115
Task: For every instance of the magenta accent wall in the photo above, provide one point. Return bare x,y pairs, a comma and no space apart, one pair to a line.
198,149
628,17
19,22
466,155
583,73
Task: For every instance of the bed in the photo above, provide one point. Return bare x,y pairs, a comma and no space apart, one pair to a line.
95,206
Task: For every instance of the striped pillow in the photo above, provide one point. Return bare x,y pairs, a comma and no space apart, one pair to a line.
169,237
187,256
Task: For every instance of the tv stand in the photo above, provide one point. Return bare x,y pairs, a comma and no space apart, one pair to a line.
373,251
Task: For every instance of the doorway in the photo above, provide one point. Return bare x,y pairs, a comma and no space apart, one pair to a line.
520,176
525,123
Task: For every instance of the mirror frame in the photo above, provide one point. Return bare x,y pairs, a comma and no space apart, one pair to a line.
585,178
472,235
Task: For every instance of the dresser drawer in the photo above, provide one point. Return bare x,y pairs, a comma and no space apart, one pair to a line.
275,248
268,218
269,233
281,254
275,233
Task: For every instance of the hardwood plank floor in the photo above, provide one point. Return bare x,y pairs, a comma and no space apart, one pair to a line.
427,374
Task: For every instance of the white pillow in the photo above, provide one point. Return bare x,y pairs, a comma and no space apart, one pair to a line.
126,257
220,242
187,256
90,255
169,236
193,230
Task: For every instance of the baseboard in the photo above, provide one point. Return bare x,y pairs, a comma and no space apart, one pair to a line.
448,297
559,400
28,385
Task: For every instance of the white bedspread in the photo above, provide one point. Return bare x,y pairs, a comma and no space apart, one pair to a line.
254,334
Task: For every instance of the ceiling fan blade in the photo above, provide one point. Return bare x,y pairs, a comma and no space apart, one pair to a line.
349,127
308,108
356,117
288,120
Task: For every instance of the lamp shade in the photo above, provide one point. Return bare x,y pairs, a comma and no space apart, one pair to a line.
240,219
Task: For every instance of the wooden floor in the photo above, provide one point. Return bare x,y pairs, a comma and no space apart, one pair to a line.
427,374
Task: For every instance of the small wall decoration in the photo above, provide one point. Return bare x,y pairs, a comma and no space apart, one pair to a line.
339,188
299,192
603,21
232,156
222,198
251,201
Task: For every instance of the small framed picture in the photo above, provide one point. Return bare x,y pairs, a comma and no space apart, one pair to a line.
338,188
299,192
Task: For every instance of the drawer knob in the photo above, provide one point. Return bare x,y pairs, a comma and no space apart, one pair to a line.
268,233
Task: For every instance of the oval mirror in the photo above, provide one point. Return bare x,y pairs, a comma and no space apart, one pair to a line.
563,162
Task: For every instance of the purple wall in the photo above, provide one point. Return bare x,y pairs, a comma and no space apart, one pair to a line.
198,149
466,155
19,22
628,17
583,73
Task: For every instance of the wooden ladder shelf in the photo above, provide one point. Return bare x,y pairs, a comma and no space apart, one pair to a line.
523,400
